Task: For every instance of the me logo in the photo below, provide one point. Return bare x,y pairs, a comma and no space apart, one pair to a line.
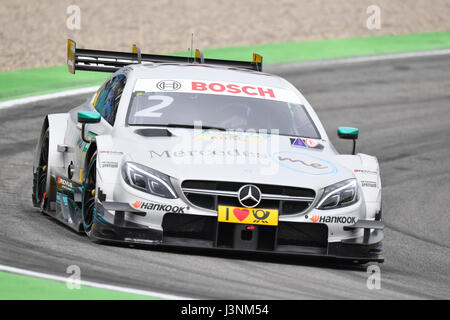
303,163
168,85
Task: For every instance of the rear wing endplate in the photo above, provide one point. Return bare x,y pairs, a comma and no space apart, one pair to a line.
111,61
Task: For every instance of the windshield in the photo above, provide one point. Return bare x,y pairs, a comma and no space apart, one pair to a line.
220,111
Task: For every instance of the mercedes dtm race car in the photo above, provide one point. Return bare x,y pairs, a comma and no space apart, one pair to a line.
205,153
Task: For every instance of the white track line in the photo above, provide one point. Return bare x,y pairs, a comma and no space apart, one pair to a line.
271,68
91,284
50,96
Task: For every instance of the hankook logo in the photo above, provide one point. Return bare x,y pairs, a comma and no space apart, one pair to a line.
168,85
249,196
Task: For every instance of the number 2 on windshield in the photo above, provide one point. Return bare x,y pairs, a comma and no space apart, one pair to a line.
150,112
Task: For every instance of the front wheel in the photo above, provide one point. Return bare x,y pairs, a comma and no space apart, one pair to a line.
89,189
40,174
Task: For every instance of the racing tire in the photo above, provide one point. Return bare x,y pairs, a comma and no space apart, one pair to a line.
88,208
379,214
40,176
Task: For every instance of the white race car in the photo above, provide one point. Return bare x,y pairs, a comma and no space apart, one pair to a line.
205,153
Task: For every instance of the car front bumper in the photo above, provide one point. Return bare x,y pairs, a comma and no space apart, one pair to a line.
196,231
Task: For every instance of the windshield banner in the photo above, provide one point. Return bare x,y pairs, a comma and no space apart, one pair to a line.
216,87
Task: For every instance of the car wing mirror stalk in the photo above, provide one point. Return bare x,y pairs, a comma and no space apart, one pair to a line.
349,133
85,117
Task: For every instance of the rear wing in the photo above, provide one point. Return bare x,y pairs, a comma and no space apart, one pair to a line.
111,61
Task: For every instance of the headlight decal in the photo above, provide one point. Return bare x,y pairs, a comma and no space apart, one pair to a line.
148,180
339,195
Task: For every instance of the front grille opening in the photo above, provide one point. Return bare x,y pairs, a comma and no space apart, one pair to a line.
210,202
291,207
302,234
235,186
225,235
202,200
189,226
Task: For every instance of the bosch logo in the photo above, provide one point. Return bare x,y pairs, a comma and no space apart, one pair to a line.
168,85
249,196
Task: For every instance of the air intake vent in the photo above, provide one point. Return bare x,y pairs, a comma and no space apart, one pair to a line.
210,194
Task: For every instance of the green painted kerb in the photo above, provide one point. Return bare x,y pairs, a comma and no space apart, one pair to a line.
20,287
336,48
22,83
29,82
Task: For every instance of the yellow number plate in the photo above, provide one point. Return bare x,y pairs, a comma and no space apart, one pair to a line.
265,217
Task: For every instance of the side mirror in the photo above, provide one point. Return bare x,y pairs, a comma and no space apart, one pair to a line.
87,117
349,133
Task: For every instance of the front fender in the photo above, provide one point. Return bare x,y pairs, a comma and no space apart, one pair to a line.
57,125
367,171
109,162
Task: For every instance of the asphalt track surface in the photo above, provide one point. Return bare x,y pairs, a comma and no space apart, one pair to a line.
402,108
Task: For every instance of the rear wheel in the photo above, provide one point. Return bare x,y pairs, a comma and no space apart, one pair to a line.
379,214
41,173
89,187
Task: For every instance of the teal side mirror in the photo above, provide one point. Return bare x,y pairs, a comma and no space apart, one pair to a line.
349,133
87,117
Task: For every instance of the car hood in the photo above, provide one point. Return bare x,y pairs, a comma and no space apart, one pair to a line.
193,154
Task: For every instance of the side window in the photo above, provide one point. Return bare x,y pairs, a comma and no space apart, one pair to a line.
99,102
108,98
114,98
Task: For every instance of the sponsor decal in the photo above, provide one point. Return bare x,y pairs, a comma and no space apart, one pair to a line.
216,87
365,171
216,135
158,207
205,153
306,143
232,88
369,184
292,160
64,184
255,216
303,163
109,164
315,165
109,159
168,85
82,145
110,152
312,143
298,142
240,214
332,219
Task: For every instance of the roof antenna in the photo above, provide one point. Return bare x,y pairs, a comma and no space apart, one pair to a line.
192,43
